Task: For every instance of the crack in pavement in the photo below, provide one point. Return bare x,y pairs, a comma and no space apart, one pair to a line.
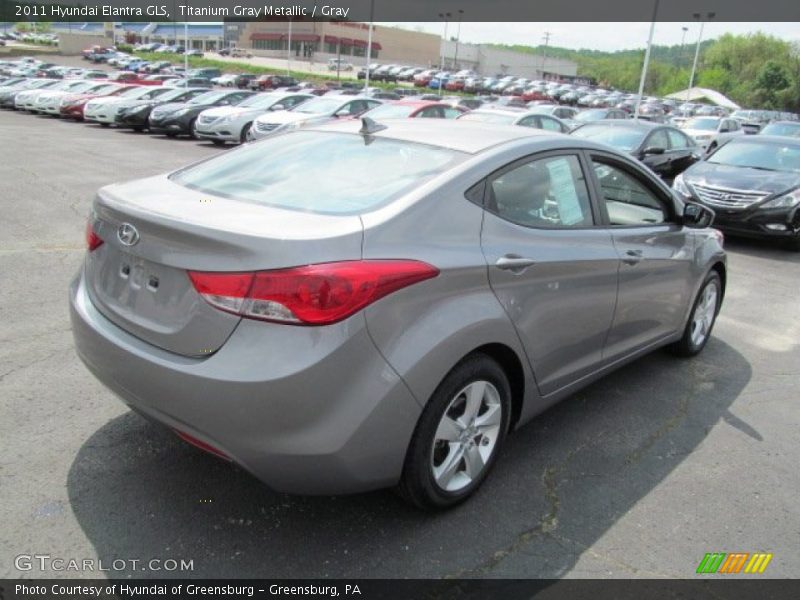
30,364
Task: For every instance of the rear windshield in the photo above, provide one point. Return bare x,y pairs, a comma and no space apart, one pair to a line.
320,172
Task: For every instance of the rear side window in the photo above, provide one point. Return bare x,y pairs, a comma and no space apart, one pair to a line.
320,172
546,193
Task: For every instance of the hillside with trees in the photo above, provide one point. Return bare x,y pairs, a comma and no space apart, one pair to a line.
755,70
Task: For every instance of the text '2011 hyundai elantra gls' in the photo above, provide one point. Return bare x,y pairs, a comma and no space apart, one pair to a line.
361,305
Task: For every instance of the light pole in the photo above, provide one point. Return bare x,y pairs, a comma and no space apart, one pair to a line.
683,40
289,52
646,61
697,17
458,38
369,45
444,16
546,37
185,48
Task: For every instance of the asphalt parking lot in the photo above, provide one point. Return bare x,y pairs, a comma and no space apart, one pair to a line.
639,475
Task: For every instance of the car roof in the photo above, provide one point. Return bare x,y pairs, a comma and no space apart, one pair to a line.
781,140
627,123
463,136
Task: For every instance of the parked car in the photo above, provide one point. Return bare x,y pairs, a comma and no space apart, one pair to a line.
313,112
599,114
666,150
271,81
339,64
225,80
72,105
516,117
753,184
129,77
275,272
175,118
710,132
790,128
104,110
50,103
243,80
136,115
232,123
411,109
26,100
8,94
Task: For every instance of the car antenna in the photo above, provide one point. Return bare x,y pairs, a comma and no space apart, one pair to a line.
368,126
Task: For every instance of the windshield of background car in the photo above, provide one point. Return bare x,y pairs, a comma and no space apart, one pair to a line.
320,172
260,101
621,138
391,111
759,155
782,129
319,107
208,98
702,124
590,115
482,117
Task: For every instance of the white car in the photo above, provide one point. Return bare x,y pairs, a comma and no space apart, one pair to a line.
226,80
104,110
313,112
26,100
232,123
711,132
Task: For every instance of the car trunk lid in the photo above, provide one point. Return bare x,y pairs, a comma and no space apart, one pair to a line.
155,231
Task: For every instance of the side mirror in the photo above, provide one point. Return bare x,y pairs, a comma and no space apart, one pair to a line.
277,107
697,216
652,150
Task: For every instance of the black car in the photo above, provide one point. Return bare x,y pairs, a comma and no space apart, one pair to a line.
178,118
362,72
753,185
136,116
665,149
243,80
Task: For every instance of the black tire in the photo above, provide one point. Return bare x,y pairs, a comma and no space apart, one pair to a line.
192,125
418,484
218,142
243,134
686,346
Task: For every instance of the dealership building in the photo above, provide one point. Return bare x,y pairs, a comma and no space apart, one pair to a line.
321,40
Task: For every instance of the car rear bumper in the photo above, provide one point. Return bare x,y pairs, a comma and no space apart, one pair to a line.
305,409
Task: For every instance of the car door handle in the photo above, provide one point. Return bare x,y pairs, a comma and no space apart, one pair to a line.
514,263
632,257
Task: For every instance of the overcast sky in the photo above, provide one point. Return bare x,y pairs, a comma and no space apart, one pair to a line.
599,36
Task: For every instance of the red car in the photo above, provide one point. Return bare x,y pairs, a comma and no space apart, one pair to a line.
535,93
72,106
455,85
414,109
133,78
424,78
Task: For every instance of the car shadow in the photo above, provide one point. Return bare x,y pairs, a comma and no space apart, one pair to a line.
761,248
563,480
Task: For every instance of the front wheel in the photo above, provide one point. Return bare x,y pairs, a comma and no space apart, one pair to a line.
458,436
702,319
244,135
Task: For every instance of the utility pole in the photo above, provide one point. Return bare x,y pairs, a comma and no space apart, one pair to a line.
546,37
289,52
185,48
646,61
697,17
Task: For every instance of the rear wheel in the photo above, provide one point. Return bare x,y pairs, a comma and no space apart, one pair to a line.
193,128
458,436
702,319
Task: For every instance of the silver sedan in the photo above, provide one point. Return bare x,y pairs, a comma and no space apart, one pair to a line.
365,305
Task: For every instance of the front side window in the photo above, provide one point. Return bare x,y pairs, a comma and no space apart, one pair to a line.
627,201
550,124
658,139
545,193
677,140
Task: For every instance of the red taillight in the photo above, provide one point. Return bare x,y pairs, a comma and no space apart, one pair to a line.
93,240
312,295
201,444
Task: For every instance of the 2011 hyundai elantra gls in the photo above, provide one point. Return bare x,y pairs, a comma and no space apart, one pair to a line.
331,333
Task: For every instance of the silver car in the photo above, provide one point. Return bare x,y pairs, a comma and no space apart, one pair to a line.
232,123
332,334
